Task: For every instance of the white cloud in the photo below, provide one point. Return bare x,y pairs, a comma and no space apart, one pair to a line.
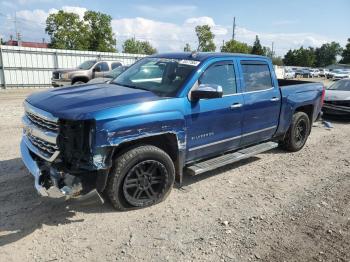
282,41
166,10
167,36
164,36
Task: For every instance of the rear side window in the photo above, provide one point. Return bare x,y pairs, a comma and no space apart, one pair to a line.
116,64
222,74
104,66
256,76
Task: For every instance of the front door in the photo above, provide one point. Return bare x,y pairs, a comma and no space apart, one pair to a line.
214,125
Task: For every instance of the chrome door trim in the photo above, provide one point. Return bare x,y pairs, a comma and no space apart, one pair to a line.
231,138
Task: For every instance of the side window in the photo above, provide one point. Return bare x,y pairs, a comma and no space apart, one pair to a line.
115,65
256,76
103,66
222,74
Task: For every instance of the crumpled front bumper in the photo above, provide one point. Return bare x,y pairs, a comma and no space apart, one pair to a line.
53,191
32,166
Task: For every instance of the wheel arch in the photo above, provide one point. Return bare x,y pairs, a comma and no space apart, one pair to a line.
307,109
169,142
80,78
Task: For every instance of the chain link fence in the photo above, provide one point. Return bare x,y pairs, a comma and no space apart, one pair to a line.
24,67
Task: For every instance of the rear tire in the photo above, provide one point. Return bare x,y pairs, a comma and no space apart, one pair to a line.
298,133
141,177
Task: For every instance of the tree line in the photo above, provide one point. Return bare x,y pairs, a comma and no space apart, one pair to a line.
94,32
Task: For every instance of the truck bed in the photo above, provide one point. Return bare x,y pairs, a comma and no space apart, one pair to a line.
288,82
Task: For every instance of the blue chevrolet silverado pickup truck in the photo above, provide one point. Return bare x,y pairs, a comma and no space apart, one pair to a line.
130,140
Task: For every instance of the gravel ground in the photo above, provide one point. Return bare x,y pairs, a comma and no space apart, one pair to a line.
274,207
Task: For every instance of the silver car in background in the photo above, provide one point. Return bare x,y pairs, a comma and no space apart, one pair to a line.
337,99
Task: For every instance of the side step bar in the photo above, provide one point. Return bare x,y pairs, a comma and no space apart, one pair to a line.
214,163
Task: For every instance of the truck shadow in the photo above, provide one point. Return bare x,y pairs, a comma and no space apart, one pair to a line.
22,211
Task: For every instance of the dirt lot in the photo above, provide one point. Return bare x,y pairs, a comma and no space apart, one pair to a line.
274,207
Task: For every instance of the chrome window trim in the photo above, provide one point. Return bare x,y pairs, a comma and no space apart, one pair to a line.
231,138
258,91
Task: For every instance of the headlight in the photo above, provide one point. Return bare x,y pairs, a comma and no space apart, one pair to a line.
64,75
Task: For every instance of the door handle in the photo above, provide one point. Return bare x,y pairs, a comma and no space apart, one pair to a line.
236,105
274,99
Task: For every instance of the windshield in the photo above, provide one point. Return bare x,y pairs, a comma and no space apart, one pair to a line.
342,85
116,72
162,76
87,64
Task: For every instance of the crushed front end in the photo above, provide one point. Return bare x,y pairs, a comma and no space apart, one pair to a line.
60,155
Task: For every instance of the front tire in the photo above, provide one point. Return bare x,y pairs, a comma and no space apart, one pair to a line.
298,133
141,177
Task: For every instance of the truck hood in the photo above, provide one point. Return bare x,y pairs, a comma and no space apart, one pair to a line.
79,102
68,70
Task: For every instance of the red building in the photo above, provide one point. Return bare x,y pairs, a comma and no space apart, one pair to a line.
27,44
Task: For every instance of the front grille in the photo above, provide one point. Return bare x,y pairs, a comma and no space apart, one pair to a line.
47,148
42,123
55,75
41,130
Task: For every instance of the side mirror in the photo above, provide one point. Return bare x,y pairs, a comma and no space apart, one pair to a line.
97,69
207,91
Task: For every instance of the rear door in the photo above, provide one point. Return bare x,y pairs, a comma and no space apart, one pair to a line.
262,101
214,125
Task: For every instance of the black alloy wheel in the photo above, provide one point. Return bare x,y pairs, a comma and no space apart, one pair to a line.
145,183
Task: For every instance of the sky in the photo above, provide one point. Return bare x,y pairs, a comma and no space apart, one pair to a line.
169,25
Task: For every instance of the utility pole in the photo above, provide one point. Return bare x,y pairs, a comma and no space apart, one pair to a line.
233,28
15,22
272,52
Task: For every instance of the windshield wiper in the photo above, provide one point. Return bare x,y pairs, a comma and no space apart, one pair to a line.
131,86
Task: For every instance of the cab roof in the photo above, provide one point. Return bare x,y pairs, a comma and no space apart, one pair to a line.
202,56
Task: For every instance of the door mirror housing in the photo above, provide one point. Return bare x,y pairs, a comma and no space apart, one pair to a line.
206,91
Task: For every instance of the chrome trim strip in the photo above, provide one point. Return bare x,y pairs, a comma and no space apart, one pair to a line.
259,131
38,152
47,136
40,113
215,143
232,138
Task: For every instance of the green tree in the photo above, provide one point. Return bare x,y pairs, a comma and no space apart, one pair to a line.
289,58
100,33
234,46
187,48
300,57
147,48
327,54
67,31
257,48
205,39
133,46
277,60
346,54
